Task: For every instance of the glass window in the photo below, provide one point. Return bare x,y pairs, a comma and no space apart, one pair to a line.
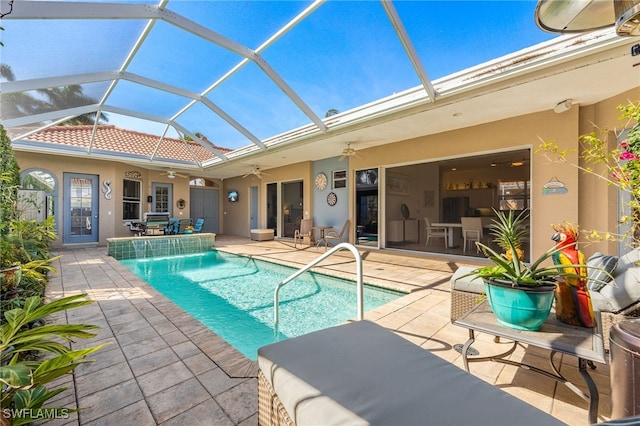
36,198
339,179
131,199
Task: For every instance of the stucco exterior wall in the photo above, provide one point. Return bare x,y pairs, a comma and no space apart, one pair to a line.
236,216
110,211
589,201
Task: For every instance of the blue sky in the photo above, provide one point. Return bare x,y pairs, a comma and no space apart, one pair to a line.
345,54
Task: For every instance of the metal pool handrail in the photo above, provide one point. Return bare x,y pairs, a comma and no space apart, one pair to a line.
359,285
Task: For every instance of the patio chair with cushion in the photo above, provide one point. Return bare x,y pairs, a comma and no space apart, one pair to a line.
197,227
172,227
333,235
182,225
305,231
620,299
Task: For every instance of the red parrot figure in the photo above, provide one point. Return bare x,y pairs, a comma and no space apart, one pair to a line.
566,237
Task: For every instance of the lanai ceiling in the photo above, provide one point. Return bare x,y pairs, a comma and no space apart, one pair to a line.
288,81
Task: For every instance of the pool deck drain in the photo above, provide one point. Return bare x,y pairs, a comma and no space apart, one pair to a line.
163,367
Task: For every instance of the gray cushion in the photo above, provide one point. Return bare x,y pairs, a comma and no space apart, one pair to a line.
624,291
363,374
470,284
597,278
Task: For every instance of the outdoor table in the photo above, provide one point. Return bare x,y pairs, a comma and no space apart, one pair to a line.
584,343
321,228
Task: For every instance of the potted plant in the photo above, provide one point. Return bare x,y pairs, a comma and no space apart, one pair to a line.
520,294
188,230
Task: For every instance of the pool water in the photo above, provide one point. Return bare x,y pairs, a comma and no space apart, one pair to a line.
233,296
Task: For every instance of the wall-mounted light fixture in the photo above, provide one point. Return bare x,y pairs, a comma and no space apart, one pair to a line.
563,106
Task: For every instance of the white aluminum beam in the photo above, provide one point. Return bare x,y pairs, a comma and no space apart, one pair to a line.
401,32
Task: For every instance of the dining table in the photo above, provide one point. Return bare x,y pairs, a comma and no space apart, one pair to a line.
450,234
451,240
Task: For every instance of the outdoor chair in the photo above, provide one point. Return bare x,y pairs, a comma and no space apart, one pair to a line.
182,225
197,227
435,232
620,299
333,235
172,227
305,230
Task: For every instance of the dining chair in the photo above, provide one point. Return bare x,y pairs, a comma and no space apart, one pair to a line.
435,232
305,230
333,235
471,232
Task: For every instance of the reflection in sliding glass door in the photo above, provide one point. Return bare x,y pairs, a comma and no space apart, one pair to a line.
367,207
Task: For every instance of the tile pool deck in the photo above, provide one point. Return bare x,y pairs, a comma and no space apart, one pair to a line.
162,367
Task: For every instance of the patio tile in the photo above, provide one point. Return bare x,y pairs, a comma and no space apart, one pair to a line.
135,414
103,378
109,400
240,400
192,376
163,378
143,347
127,336
152,361
185,349
176,399
206,413
217,381
199,363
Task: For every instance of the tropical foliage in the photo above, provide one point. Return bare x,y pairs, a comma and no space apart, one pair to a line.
24,379
32,352
509,231
48,99
618,166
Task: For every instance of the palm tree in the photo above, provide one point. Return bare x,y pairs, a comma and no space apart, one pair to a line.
18,104
69,97
21,104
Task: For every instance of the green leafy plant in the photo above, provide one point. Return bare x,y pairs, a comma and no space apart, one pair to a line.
508,231
23,379
619,167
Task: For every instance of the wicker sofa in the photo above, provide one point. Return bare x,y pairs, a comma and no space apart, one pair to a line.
616,301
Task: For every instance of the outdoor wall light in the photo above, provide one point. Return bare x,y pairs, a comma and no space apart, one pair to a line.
563,106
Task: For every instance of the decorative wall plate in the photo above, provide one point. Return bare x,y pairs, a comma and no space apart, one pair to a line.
321,181
332,199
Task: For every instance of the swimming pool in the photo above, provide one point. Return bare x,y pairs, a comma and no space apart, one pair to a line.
233,296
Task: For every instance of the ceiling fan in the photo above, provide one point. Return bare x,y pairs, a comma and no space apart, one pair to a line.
171,174
256,172
348,152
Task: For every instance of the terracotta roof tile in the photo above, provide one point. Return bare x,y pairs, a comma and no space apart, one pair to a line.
117,140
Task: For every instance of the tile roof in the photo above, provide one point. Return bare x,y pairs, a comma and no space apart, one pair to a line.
109,138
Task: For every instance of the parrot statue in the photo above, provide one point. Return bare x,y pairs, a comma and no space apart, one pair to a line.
566,238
